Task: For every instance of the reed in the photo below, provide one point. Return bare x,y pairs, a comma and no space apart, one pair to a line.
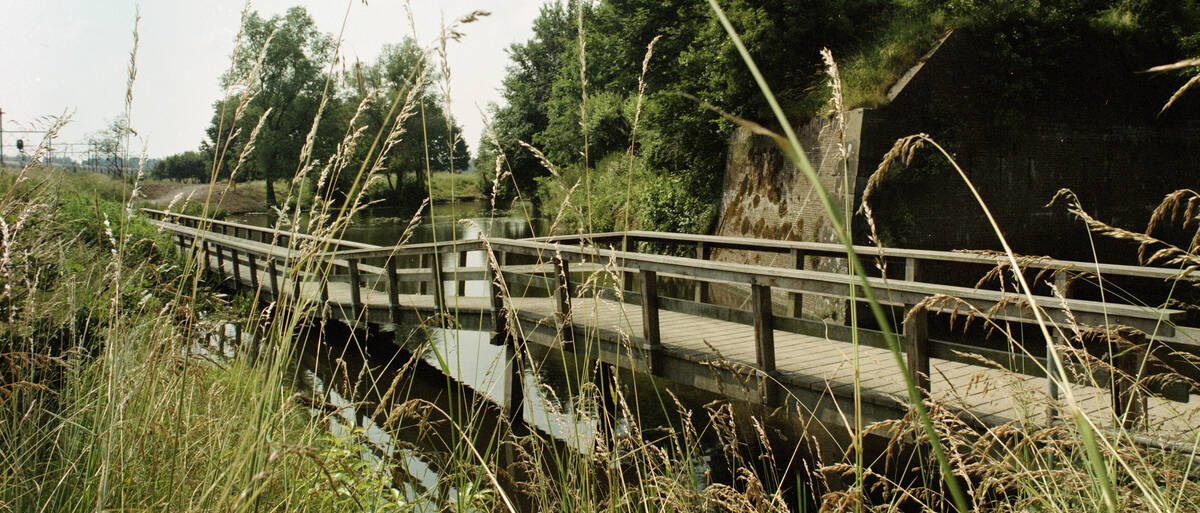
115,394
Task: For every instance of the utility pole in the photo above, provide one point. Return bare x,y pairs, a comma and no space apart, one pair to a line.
1,138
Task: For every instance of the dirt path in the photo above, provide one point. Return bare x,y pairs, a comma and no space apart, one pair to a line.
244,198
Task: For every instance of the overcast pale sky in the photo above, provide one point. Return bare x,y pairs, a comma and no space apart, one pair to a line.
73,55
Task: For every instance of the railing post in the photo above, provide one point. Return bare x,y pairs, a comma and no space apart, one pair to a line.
435,275
514,389
207,257
462,264
916,332
356,304
1129,406
393,293
220,262
702,253
325,295
626,276
296,286
495,294
562,300
1063,286
764,342
237,268
422,287
797,298
273,271
916,344
253,271
649,284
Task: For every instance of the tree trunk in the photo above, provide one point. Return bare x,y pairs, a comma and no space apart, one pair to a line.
270,190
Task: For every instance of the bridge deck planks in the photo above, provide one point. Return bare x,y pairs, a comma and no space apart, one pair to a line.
989,395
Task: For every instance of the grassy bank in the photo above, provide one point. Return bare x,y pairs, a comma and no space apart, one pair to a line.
103,405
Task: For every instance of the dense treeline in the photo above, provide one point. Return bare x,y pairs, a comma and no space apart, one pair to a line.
262,135
673,180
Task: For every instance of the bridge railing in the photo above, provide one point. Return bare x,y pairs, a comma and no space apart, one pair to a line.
557,258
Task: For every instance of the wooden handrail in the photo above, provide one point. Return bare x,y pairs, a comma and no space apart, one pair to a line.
890,291
837,250
557,255
163,215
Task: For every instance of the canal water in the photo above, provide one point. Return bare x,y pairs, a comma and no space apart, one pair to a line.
334,370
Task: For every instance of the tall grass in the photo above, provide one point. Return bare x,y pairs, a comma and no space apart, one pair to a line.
112,397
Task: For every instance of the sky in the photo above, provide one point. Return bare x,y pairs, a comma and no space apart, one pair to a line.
72,56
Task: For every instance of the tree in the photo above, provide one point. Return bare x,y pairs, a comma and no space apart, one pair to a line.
429,133
109,145
528,88
289,87
184,167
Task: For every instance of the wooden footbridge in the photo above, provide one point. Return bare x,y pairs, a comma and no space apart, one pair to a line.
580,295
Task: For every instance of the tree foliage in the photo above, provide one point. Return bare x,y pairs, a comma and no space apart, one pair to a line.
189,166
280,88
683,144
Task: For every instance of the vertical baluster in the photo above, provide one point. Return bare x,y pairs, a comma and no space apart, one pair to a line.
650,325
797,298
764,342
702,253
356,304
562,296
